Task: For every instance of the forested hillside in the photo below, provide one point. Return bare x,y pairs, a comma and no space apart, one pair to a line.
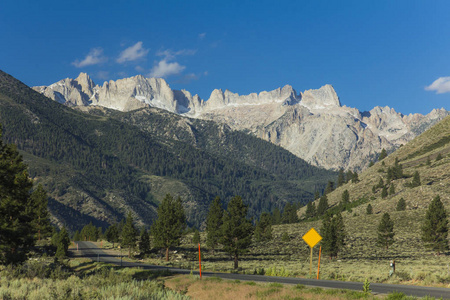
98,166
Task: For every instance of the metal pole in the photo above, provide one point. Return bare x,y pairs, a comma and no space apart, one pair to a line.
310,263
318,266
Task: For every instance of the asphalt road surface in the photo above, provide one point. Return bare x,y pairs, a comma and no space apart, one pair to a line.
90,250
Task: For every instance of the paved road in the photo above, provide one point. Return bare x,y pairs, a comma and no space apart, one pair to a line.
90,250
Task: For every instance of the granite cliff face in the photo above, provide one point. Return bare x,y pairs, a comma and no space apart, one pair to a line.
312,125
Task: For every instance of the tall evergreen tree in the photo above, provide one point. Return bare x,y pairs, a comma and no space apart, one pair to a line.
385,231
416,179
289,214
333,234
112,234
329,188
263,229
63,243
310,210
17,209
129,234
369,209
392,189
237,230
168,229
355,178
214,223
383,155
196,237
144,241
401,205
384,192
323,205
435,226
41,222
276,216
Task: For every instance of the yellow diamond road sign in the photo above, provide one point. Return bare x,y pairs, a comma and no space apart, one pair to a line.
312,237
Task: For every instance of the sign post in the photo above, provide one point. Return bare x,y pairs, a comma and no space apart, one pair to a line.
200,260
312,237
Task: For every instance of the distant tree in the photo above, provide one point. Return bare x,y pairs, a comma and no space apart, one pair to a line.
263,229
439,157
41,221
276,216
310,210
129,234
435,227
416,180
349,176
76,236
196,237
428,161
167,230
112,234
330,187
316,195
345,199
383,155
333,234
237,230
214,221
144,241
89,232
289,214
323,205
355,178
380,183
392,189
341,178
397,170
369,209
385,231
371,164
384,192
63,243
401,205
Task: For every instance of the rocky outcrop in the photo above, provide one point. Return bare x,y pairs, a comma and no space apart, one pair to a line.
313,125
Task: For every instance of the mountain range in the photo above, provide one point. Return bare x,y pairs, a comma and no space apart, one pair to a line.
312,125
98,164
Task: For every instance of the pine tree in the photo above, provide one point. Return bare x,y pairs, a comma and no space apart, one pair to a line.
369,209
167,229
310,210
329,188
384,192
129,234
276,216
144,242
349,176
435,227
392,189
263,229
112,234
76,236
289,214
333,234
41,222
63,242
385,231
341,178
213,224
355,178
340,235
416,180
316,195
196,237
17,210
401,205
380,183
323,205
237,230
383,155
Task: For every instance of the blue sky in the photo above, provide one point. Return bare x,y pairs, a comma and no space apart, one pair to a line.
393,53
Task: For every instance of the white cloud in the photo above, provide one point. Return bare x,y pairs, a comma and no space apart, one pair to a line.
170,55
202,35
440,85
166,69
104,75
132,53
94,57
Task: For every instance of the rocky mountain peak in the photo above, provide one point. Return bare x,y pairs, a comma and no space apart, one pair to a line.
323,98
